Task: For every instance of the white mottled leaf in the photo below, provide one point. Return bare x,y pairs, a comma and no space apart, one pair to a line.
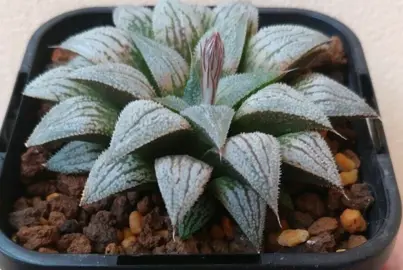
73,118
245,205
177,25
192,93
169,70
277,47
109,176
75,157
235,88
213,121
55,85
334,99
79,62
279,109
309,151
200,213
256,157
133,19
173,102
101,45
119,76
142,122
181,180
206,15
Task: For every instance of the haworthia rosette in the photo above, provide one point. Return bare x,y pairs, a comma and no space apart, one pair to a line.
308,151
245,206
142,122
119,76
334,99
169,70
213,121
101,45
256,157
109,176
279,46
200,213
75,157
279,109
55,85
73,118
177,25
173,102
181,180
133,19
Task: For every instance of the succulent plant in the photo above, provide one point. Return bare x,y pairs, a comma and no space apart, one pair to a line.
194,100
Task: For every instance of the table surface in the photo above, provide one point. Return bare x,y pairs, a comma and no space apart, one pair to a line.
376,23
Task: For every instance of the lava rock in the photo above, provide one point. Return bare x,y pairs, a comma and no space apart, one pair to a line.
38,236
70,226
67,205
42,188
32,160
120,209
311,203
71,185
323,242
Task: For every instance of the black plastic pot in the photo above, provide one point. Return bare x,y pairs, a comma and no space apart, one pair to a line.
384,217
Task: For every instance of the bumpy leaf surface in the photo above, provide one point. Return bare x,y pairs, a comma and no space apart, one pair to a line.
279,109
75,157
79,62
173,102
133,19
256,157
334,99
142,122
245,205
206,15
181,180
109,176
193,93
73,118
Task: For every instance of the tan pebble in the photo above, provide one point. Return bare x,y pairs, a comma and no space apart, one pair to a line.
14,238
113,249
127,233
352,221
344,163
47,250
120,235
349,178
216,232
353,156
355,241
52,196
340,250
324,224
43,221
227,227
292,238
129,242
136,222
162,233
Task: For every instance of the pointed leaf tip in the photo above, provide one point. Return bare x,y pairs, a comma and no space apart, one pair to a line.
133,19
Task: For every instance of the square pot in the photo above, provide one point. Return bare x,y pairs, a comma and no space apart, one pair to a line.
376,170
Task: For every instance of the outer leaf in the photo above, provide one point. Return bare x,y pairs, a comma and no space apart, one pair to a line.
245,205
79,62
110,176
256,157
279,109
309,151
213,121
142,122
55,85
206,15
168,68
333,98
201,212
75,157
181,180
73,118
172,102
133,19
118,76
277,47
177,25
101,45
233,89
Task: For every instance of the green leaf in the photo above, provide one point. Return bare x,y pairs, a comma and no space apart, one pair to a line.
133,19
200,213
74,118
177,25
119,76
279,109
173,102
193,94
181,180
308,151
235,88
142,122
55,85
213,122
75,157
334,99
277,47
102,45
245,205
169,70
256,157
109,176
